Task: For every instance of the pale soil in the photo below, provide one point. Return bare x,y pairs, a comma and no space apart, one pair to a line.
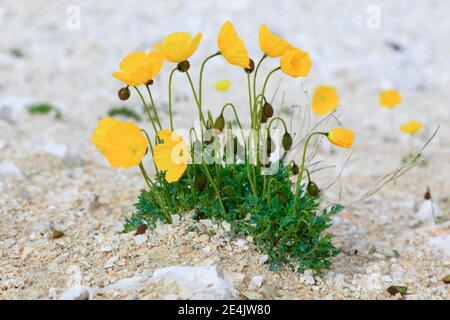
64,184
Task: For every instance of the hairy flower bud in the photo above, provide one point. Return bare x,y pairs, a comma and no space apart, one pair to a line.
268,110
124,93
287,141
183,66
219,124
263,118
295,169
251,67
312,189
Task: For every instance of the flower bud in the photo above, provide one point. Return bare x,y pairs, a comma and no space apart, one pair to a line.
219,124
295,169
183,66
312,189
263,118
287,141
268,110
124,93
200,181
251,67
270,146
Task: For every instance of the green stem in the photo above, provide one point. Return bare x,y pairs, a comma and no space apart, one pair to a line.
201,116
250,98
302,168
208,174
279,119
146,109
170,98
201,75
255,75
154,107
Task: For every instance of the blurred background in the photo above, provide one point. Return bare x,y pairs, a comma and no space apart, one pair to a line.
61,54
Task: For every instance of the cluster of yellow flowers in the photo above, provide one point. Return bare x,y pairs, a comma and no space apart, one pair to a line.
124,144
390,99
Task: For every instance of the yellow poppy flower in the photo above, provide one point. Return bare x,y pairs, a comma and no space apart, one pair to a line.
232,47
179,46
121,142
272,45
341,137
295,63
412,127
138,68
390,98
171,156
222,85
324,100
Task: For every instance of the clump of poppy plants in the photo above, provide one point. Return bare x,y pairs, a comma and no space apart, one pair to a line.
251,177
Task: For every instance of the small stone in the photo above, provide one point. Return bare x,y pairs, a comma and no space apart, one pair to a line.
207,250
257,281
263,259
236,278
106,247
140,239
308,279
175,219
75,293
226,226
8,168
240,243
8,243
110,263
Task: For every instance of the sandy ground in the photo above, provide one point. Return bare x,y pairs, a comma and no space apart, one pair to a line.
52,178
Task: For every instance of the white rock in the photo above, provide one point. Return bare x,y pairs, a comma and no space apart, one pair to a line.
8,168
195,283
257,281
175,219
53,148
140,239
428,212
75,293
308,279
106,247
207,223
8,243
263,259
236,278
110,263
226,226
127,284
74,276
240,243
441,242
207,250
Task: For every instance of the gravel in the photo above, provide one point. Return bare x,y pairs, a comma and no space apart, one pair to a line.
53,179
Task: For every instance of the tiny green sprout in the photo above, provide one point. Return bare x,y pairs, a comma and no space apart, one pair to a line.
124,112
44,108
